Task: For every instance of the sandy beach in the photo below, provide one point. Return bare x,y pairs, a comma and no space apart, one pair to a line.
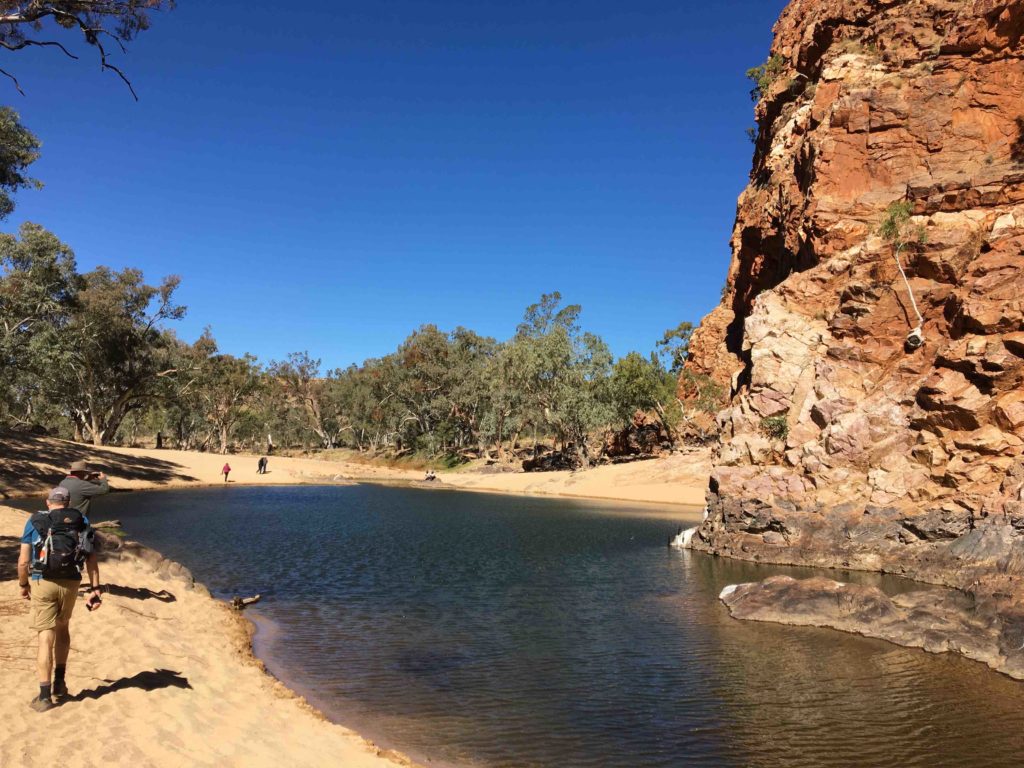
163,674
32,464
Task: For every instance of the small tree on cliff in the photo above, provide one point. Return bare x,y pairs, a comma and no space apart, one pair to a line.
898,230
674,346
764,75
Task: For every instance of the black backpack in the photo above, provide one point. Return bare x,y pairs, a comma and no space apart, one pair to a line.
65,540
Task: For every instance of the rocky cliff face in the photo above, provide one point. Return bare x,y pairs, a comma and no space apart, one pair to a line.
842,445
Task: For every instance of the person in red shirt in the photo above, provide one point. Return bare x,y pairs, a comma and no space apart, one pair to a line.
226,471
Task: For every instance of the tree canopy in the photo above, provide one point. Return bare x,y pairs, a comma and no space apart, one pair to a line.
101,23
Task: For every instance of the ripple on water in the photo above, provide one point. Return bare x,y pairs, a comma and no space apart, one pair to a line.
504,632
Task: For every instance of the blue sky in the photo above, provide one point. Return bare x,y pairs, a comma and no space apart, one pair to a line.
330,180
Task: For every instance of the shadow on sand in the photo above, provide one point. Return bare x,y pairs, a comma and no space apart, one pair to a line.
9,546
27,461
146,681
139,593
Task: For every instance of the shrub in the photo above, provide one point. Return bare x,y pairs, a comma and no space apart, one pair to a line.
764,75
775,427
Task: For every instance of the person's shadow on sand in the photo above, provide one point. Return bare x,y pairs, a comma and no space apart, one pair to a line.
147,681
139,593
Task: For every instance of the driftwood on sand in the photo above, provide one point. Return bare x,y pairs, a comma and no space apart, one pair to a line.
239,603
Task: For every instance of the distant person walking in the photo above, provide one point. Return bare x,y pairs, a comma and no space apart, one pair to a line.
84,485
226,471
261,466
54,546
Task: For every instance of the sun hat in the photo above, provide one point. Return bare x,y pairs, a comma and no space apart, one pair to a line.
59,494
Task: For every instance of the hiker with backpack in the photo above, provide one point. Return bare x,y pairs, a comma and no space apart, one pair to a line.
54,547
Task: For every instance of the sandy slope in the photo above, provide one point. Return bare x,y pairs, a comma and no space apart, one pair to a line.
678,479
158,684
30,464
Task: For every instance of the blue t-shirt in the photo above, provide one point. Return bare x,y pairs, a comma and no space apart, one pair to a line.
31,537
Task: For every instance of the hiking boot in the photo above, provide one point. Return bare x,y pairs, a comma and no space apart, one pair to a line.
41,705
60,692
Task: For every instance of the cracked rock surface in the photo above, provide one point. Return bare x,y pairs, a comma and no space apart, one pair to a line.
903,460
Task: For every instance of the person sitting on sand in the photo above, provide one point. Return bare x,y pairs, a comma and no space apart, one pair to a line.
84,485
53,547
430,475
226,471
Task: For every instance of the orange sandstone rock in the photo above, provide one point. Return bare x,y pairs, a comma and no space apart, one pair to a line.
892,458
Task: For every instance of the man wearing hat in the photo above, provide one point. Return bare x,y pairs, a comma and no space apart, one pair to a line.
84,485
53,547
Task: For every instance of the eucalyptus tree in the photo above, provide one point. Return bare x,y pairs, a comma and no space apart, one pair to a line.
101,24
504,416
418,377
19,148
674,346
228,386
38,285
639,383
563,372
112,354
468,392
323,402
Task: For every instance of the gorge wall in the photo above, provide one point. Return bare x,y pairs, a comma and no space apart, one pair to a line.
842,446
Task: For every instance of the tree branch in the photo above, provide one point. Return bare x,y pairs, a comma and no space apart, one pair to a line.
38,44
14,80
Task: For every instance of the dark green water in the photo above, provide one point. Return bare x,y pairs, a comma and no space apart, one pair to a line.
485,630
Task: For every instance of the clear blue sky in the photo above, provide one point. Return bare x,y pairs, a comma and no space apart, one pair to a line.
330,180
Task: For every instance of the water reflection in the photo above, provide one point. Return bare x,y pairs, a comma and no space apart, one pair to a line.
804,696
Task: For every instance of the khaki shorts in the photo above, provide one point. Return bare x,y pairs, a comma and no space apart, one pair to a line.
52,602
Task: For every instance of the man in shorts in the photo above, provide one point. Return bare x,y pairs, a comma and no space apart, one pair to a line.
53,589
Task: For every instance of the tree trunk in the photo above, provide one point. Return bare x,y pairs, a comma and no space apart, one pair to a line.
663,418
98,433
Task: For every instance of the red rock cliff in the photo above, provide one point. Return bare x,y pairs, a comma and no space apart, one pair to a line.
842,446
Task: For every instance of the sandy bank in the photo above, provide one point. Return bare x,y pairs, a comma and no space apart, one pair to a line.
31,464
164,676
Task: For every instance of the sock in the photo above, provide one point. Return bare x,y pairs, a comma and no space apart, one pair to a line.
44,691
58,673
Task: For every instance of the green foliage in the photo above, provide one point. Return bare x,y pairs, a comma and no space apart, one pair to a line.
111,355
705,394
19,148
896,217
639,383
775,427
674,346
108,365
764,75
561,373
896,228
752,134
